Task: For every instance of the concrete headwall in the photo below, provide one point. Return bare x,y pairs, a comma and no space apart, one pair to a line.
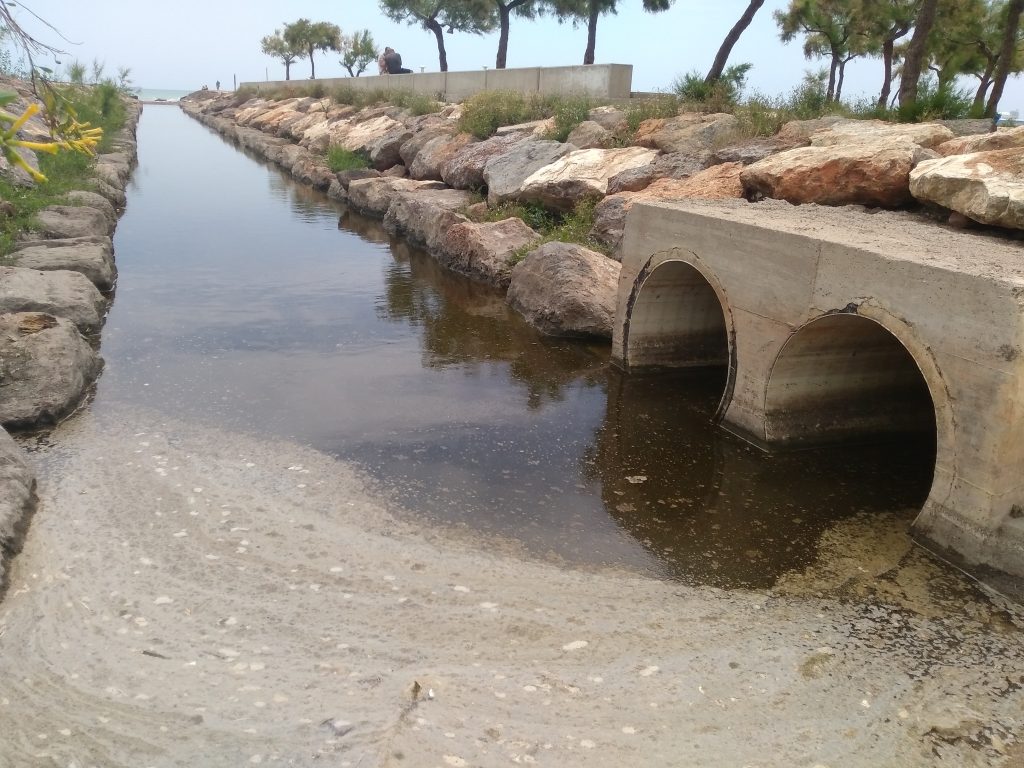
602,81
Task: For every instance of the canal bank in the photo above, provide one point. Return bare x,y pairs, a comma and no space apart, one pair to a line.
201,588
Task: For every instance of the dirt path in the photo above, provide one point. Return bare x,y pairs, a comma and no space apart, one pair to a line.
194,598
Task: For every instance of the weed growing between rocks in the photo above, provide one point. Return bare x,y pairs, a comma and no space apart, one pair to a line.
660,106
341,159
101,106
572,227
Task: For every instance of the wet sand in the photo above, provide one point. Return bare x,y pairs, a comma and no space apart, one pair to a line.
194,597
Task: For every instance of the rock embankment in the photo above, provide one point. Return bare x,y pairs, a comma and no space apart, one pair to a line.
424,176
55,289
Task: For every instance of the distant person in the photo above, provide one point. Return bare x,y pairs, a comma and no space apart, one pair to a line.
393,60
382,61
217,84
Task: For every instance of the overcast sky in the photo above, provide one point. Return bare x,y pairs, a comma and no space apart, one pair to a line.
185,44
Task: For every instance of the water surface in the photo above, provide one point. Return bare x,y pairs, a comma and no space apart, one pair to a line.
249,302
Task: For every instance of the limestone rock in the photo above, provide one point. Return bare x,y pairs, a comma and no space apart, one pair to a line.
858,172
419,216
927,135
17,175
337,192
63,294
564,289
17,498
374,196
674,165
347,177
313,170
361,136
536,128
719,182
114,195
297,129
579,175
797,133
747,152
93,257
591,135
412,147
45,369
94,200
397,172
984,186
384,152
118,161
465,169
610,118
435,153
1005,139
483,250
689,132
505,173
57,221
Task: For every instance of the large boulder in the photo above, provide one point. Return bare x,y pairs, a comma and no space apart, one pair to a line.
746,152
17,499
927,135
674,165
93,257
412,147
465,169
270,121
1009,138
385,150
374,196
94,200
580,175
420,216
64,294
360,137
797,133
313,170
505,173
484,250
873,173
114,195
984,186
591,135
610,118
535,128
61,221
45,369
690,132
720,182
563,289
435,153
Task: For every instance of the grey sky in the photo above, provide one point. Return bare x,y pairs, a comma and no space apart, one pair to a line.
187,43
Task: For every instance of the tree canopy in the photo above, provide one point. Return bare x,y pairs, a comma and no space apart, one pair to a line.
473,16
358,51
311,36
276,46
590,11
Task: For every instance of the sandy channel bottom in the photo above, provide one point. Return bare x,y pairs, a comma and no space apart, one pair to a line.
189,597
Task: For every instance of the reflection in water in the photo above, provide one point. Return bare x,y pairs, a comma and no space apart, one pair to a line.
264,306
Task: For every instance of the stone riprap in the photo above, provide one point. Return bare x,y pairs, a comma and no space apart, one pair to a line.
987,187
416,159
49,294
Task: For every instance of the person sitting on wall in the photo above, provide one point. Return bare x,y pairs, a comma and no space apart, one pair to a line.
393,60
382,63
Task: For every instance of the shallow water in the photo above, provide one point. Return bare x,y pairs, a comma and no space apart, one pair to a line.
249,302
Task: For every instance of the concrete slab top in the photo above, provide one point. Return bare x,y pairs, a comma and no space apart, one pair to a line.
890,235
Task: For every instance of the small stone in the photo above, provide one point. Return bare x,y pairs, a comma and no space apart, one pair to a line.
163,600
575,645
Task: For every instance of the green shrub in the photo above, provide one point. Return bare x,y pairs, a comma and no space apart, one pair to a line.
552,226
719,96
660,106
341,159
935,103
487,111
570,111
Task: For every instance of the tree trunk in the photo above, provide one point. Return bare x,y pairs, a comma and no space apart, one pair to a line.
839,81
1006,51
887,55
715,73
312,65
978,107
830,96
287,70
914,57
503,14
442,54
595,11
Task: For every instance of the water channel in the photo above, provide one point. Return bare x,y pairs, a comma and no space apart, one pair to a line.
211,580
263,306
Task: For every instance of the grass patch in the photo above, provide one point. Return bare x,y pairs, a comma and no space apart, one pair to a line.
102,106
661,106
571,227
341,159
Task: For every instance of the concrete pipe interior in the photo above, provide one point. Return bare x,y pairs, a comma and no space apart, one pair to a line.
677,321
844,377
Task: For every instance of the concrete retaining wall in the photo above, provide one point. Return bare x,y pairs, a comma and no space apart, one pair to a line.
602,81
